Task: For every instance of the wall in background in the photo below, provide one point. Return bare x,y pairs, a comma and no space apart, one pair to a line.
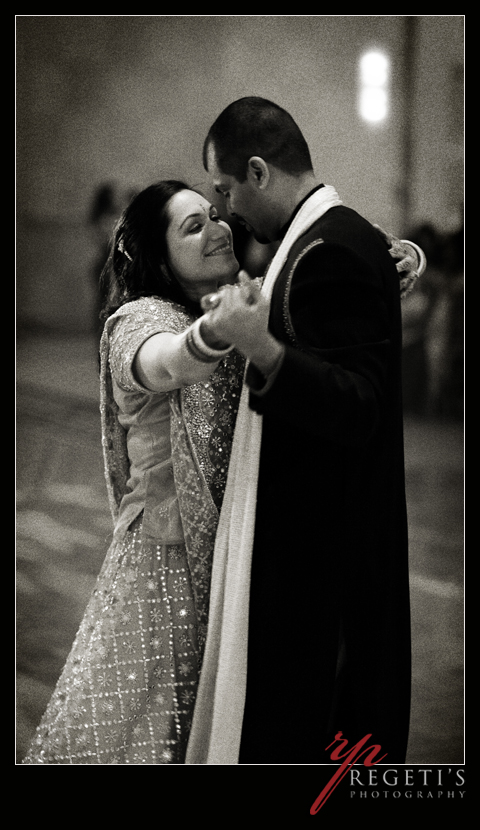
129,99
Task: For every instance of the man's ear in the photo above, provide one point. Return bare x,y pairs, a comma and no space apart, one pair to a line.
258,172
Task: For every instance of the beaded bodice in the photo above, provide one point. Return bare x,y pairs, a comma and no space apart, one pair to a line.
190,479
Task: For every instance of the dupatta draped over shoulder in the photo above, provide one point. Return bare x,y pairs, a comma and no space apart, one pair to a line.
202,419
128,688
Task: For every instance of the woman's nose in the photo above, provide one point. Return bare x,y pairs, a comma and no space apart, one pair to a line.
219,229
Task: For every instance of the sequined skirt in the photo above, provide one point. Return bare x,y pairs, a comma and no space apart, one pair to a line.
127,691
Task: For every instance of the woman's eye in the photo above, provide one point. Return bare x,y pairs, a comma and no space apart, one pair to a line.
198,226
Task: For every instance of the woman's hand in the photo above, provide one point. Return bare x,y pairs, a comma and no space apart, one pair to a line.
409,259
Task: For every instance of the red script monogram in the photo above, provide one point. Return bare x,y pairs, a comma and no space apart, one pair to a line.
351,756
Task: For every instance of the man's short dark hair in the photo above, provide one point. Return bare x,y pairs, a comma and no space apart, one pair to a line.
253,126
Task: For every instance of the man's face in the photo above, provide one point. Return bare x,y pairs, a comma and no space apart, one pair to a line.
243,200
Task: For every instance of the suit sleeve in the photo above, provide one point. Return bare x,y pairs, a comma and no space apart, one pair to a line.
332,380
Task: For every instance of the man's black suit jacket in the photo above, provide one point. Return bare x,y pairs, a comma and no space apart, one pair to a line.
329,630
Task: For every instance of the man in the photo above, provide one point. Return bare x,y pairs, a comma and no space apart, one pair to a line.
328,626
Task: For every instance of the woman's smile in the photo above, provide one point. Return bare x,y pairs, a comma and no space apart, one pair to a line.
222,248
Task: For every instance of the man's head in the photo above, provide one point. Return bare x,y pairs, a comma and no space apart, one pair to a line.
260,161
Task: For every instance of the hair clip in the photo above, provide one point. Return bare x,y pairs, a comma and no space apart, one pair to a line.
121,248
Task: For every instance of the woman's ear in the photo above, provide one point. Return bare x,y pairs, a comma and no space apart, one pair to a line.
258,172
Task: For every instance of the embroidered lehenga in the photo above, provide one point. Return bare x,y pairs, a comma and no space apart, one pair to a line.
128,688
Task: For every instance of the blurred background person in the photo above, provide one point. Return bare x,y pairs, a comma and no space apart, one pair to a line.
433,328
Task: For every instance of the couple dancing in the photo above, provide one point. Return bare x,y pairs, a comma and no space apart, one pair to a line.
254,599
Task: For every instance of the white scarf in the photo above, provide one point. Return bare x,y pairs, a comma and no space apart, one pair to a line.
217,723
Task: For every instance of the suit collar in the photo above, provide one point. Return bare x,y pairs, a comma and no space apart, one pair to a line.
292,217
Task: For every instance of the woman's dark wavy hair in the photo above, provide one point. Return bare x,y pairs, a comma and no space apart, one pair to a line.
138,250
253,126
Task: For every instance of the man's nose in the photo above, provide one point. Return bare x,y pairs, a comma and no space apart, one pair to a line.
228,205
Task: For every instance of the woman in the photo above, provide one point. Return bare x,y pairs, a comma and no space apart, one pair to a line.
168,407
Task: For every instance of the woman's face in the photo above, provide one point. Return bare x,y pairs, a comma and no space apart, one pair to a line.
199,245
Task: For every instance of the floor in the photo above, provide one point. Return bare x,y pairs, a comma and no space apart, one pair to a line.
64,528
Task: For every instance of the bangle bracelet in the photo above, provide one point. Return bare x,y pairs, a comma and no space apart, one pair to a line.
199,349
422,264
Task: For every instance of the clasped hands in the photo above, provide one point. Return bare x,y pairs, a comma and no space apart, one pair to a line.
235,315
238,315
